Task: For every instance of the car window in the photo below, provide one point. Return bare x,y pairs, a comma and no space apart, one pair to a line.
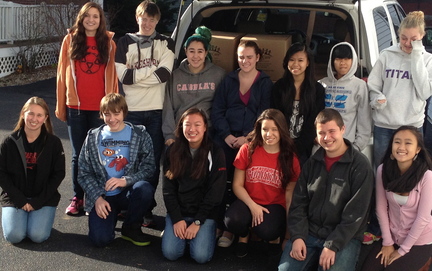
328,27
397,15
382,28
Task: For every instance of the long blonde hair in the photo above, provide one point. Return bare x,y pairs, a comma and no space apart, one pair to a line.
37,101
414,19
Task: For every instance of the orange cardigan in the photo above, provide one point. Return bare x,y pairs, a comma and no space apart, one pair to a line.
67,94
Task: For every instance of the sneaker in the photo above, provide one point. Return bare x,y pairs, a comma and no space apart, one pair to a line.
134,234
274,249
241,249
148,220
369,238
122,215
225,241
75,206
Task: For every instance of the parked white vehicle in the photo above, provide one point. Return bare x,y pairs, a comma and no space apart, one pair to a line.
369,25
321,23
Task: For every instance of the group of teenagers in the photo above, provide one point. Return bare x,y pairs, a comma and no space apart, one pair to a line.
242,158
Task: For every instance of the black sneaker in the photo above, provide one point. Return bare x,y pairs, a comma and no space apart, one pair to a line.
241,249
148,220
274,249
134,234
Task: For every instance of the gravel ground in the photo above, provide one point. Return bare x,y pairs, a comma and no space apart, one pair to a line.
19,79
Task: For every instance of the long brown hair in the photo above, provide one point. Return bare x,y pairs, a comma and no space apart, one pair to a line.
79,46
180,157
37,101
286,144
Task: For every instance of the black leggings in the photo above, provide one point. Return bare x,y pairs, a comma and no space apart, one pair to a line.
238,220
412,261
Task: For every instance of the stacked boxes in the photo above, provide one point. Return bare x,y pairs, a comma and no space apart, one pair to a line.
274,48
223,48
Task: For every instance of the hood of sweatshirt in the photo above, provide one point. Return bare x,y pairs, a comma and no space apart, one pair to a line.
141,40
331,72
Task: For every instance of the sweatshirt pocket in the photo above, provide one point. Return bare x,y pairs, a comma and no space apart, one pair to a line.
337,188
417,106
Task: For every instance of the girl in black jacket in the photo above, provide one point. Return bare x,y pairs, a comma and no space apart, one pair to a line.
193,187
32,166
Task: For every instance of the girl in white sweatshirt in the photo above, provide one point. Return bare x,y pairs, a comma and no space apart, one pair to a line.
400,83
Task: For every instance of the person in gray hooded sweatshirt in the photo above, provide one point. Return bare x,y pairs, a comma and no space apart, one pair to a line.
400,83
193,84
348,94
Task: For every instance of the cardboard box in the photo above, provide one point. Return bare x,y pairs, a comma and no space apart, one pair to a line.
223,48
274,48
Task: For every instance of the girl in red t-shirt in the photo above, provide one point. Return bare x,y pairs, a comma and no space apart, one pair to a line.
85,74
265,174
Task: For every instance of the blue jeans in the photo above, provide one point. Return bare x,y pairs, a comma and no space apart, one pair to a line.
136,199
382,137
428,136
152,120
346,258
79,122
201,247
18,224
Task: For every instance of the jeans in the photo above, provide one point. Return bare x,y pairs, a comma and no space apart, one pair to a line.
18,224
79,122
136,199
428,136
345,260
382,137
152,120
201,247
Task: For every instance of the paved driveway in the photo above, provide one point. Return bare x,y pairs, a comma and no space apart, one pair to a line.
68,247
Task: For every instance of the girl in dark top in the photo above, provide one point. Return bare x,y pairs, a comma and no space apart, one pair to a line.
32,166
193,187
241,97
300,98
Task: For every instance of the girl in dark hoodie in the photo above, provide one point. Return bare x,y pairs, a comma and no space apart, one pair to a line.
32,166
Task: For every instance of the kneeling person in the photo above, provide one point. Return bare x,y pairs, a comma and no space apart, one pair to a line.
115,163
330,205
193,186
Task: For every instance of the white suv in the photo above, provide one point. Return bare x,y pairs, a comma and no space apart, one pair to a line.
370,26
320,23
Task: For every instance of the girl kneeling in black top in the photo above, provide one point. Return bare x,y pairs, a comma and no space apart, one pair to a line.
193,187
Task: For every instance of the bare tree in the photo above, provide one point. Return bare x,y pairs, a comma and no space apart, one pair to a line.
42,28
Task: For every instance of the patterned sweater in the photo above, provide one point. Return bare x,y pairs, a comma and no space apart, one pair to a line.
92,175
